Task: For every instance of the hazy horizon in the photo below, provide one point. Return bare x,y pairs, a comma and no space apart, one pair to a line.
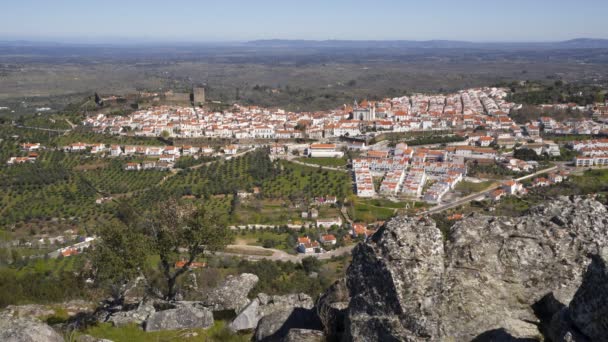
119,40
238,21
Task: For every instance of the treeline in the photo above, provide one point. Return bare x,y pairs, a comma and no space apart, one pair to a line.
20,286
536,93
530,113
418,139
279,277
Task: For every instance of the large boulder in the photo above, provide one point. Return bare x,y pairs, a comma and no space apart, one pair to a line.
586,318
409,284
137,316
26,330
231,294
395,282
589,307
304,335
270,304
276,326
28,311
264,305
331,308
247,319
182,317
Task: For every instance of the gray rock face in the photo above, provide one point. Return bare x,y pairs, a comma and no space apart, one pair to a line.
231,294
183,317
394,283
406,285
265,305
247,319
137,316
277,303
304,335
26,330
586,318
28,310
589,307
276,315
276,326
331,308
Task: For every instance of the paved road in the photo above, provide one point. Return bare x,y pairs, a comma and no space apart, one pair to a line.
44,129
295,161
73,125
194,167
441,207
279,255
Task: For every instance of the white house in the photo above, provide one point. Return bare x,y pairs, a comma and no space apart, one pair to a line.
324,150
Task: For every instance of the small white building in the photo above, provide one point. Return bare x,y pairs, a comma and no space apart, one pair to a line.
325,151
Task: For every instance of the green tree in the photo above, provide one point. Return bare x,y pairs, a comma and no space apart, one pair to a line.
118,258
184,231
311,264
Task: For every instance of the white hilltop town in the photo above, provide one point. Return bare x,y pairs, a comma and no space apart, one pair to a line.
475,123
419,112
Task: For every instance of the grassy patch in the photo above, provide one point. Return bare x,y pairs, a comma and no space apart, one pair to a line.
380,202
132,333
467,188
264,238
247,251
272,212
367,213
378,209
332,162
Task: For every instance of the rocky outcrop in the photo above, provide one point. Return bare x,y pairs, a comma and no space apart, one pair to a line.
276,326
183,317
231,294
26,330
277,315
270,304
137,316
46,310
589,307
28,311
408,284
331,309
247,319
586,318
264,305
304,335
394,282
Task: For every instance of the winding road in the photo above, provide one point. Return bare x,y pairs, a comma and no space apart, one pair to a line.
445,206
257,253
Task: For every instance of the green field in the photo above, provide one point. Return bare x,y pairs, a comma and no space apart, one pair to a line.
467,188
41,281
133,333
265,238
371,210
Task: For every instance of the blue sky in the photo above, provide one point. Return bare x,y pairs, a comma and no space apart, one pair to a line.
237,20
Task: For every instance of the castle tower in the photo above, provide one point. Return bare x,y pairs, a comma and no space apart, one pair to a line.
198,95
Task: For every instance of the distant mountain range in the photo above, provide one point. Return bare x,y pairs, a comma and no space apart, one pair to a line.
580,43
